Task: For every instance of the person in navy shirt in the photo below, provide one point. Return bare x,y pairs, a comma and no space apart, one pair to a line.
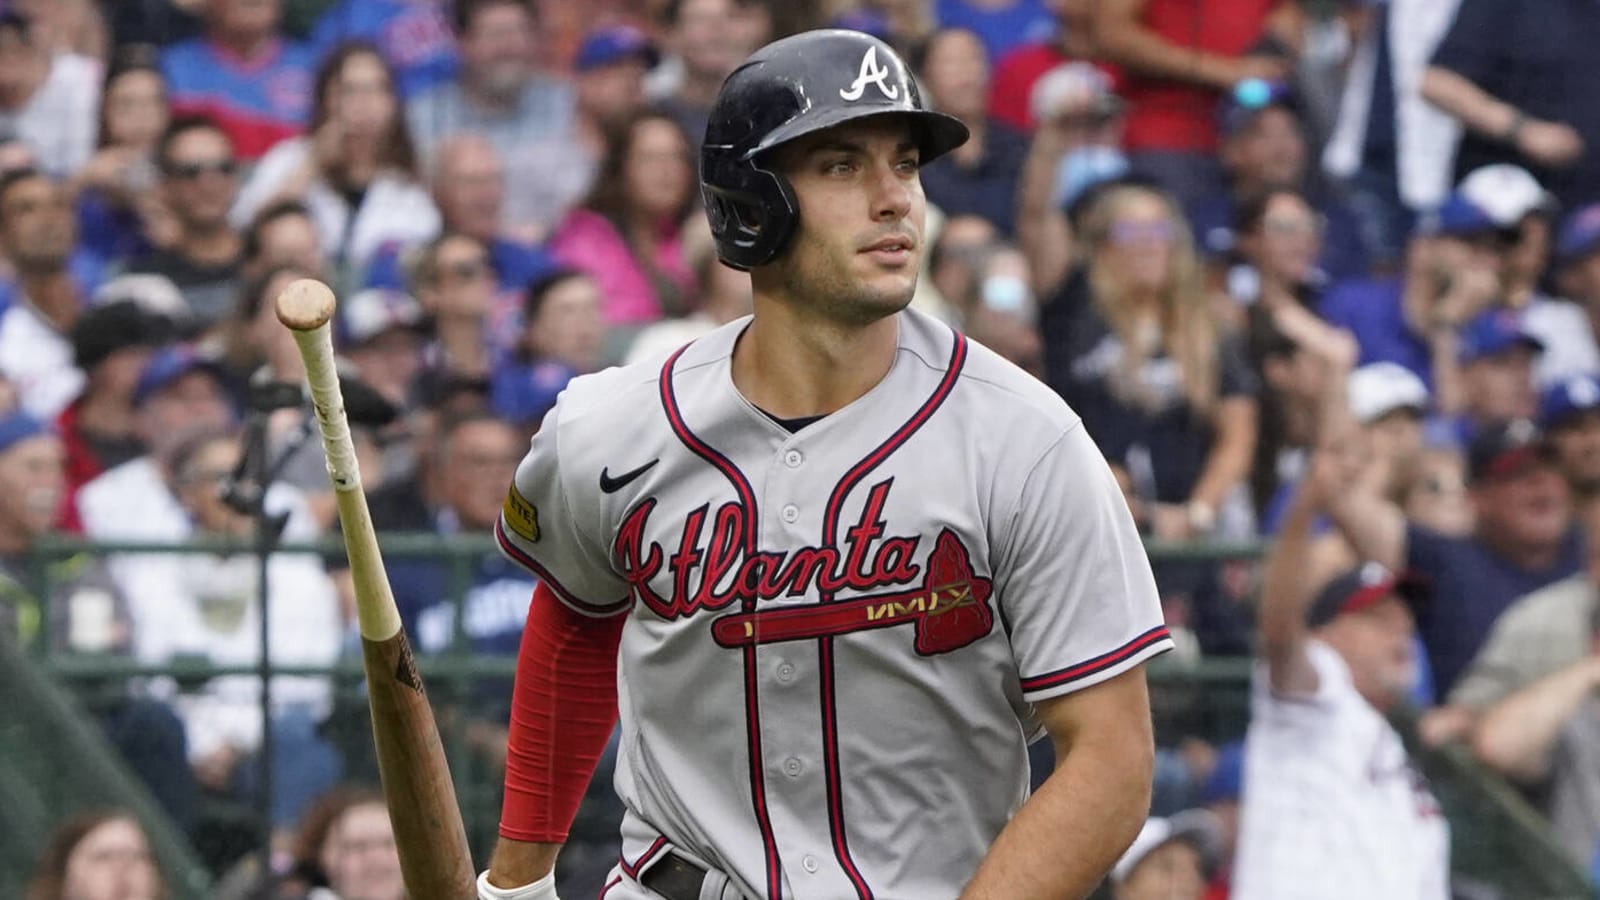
1525,539
413,35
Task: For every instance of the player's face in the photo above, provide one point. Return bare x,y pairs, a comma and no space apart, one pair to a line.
858,249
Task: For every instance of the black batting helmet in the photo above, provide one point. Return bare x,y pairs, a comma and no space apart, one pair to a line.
789,88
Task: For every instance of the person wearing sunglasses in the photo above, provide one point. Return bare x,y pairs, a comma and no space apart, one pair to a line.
199,250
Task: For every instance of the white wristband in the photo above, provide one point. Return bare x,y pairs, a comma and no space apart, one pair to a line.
543,889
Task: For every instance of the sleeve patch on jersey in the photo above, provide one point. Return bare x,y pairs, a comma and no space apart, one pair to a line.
521,516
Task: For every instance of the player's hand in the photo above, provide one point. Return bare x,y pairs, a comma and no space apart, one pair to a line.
543,889
1554,144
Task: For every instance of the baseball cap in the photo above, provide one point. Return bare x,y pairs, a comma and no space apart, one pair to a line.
1248,99
1566,399
1380,388
1504,450
1197,827
1078,85
371,312
17,426
156,294
1495,332
1359,589
1507,193
1579,237
1457,217
103,330
611,44
168,365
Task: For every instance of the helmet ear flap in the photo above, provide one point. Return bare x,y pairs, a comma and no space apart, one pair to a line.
751,211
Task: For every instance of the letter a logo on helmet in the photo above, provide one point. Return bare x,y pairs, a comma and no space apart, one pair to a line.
871,73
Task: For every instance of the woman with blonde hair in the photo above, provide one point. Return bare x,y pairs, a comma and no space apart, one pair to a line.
1134,346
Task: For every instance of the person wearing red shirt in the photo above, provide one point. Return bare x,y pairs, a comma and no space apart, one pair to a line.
1017,72
1180,56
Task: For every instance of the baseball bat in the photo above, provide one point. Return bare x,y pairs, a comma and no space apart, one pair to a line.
428,831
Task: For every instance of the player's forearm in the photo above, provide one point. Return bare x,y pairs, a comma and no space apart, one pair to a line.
1069,834
516,863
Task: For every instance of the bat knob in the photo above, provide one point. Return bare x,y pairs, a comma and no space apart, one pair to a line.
305,304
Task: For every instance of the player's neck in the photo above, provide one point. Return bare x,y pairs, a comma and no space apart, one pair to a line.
794,366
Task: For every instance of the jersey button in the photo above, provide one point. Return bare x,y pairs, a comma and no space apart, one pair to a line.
809,863
791,513
785,672
793,459
792,767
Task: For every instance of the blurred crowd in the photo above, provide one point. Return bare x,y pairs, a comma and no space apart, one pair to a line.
1331,267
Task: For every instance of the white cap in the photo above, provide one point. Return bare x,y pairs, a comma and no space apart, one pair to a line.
1377,389
1506,192
153,293
1197,826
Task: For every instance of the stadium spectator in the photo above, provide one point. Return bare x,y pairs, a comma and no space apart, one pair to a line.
1454,267
1016,72
1131,343
242,73
1439,499
284,234
1390,149
453,281
1278,239
980,176
563,334
199,180
469,187
1180,58
1264,147
999,310
1524,538
111,344
1576,263
1001,25
414,37
380,334
356,852
1075,148
707,39
69,26
1172,858
37,236
1519,87
32,480
98,856
153,22
530,118
1569,415
1494,374
49,100
629,232
1533,686
959,244
356,171
610,70
120,216
1525,214
1333,806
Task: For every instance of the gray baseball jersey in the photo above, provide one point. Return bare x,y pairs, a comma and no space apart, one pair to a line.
835,635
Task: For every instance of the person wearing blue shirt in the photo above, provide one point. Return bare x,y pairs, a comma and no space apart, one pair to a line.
1525,539
413,35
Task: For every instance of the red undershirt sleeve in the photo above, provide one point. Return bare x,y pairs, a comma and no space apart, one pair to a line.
563,709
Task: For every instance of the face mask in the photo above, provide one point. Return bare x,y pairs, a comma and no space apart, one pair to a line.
1007,294
1085,167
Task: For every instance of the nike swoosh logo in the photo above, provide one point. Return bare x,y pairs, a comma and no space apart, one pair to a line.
611,485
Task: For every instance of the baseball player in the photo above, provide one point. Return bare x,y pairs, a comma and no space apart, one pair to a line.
834,565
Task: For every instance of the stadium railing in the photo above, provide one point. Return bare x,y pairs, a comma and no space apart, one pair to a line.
1501,847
